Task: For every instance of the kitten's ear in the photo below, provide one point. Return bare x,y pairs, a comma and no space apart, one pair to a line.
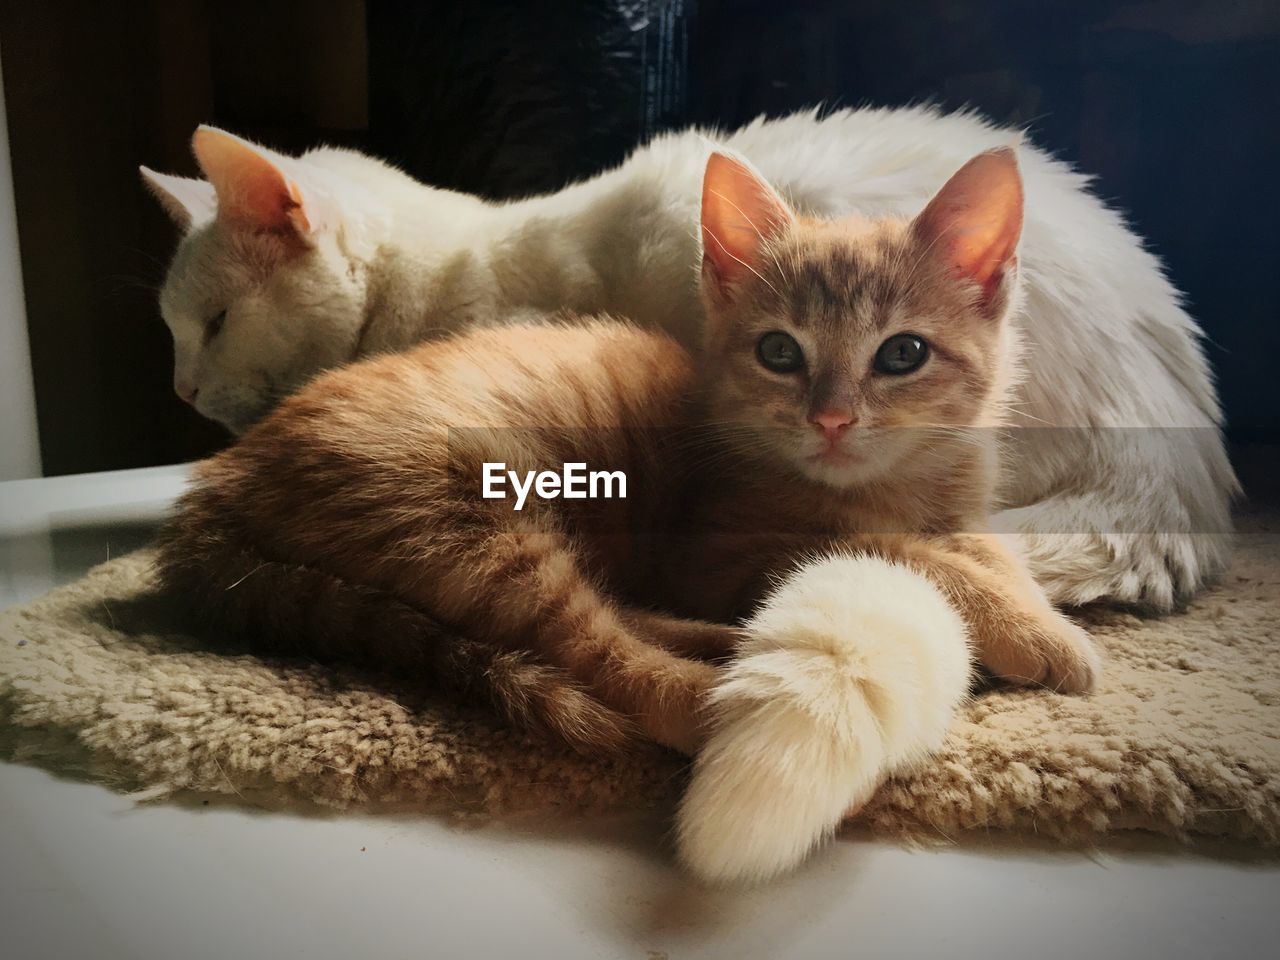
187,201
253,191
740,213
974,221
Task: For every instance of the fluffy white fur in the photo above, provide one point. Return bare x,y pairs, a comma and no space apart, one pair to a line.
387,262
852,670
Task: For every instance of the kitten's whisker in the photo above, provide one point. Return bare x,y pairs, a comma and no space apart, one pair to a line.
1013,406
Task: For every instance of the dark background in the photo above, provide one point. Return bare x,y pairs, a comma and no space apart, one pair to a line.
1172,104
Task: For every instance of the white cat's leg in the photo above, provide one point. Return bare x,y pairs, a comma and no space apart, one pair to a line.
852,669
1154,571
1137,515
1116,459
1109,546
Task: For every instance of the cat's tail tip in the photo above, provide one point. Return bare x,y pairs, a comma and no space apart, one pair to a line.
852,669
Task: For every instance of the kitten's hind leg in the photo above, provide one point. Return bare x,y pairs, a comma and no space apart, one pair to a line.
523,586
295,609
696,639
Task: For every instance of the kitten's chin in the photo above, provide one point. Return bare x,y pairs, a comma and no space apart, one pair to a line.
841,469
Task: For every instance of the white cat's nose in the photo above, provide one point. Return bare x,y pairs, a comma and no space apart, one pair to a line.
185,391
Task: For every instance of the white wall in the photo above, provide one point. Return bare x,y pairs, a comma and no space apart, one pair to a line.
19,446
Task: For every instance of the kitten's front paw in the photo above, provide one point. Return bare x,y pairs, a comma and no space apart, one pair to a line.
1053,653
1072,661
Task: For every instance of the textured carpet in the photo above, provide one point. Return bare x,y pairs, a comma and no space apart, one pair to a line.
1183,737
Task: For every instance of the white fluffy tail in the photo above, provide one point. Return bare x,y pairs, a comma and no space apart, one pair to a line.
851,670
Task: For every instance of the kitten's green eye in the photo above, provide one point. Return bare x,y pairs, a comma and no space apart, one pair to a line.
779,352
901,353
214,326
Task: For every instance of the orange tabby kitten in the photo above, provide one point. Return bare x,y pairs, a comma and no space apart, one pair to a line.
819,477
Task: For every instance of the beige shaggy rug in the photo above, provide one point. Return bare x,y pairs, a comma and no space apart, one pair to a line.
1183,737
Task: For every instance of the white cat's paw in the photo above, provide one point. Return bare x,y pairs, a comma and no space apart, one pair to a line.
1076,564
852,669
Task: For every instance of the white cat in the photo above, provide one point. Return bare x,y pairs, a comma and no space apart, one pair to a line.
292,265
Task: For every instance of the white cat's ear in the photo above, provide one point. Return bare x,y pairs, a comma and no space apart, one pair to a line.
740,214
253,190
974,221
187,201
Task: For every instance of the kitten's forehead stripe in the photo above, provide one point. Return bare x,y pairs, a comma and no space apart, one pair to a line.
827,279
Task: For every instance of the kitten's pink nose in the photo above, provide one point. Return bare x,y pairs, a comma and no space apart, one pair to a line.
186,391
832,423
